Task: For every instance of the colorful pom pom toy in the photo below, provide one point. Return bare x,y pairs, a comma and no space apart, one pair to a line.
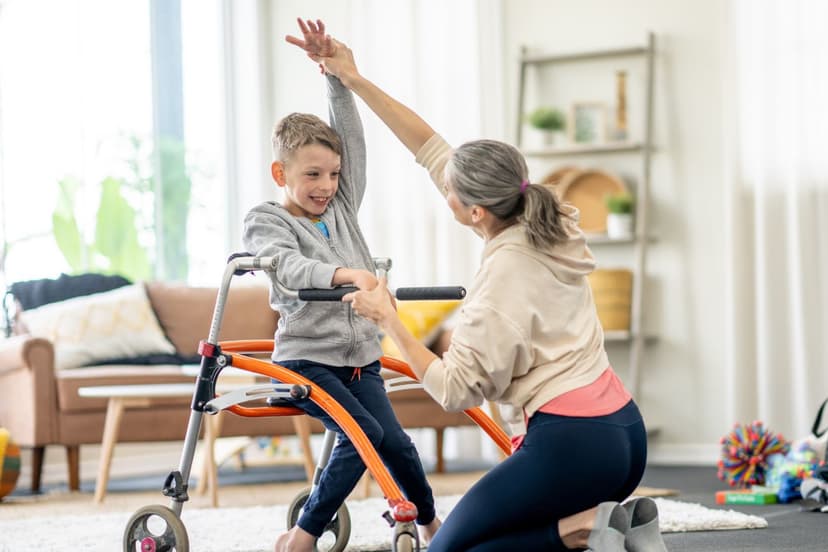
745,452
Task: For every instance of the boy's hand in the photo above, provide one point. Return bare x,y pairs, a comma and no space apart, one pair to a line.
364,280
357,277
332,56
316,43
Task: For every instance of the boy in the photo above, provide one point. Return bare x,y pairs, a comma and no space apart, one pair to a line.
315,236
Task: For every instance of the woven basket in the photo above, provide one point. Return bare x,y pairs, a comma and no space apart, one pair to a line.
612,291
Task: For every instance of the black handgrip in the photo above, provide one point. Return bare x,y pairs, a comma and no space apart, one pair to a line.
430,293
334,294
403,294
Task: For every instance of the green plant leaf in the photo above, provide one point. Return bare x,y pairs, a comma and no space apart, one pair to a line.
621,203
65,226
546,118
175,202
116,235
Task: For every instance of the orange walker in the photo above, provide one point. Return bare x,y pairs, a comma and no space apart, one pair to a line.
216,356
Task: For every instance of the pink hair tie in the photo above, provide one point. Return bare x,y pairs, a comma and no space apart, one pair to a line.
523,186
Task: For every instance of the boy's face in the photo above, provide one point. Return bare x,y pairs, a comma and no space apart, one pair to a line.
310,178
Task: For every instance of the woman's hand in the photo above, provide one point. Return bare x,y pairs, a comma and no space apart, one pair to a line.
375,305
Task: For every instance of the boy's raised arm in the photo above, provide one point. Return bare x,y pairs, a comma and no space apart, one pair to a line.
336,58
343,115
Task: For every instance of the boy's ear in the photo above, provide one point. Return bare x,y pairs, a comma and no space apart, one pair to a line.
277,170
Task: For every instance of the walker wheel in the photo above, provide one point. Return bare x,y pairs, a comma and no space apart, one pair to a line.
406,538
334,537
155,529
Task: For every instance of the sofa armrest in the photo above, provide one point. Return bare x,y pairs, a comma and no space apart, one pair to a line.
28,390
24,352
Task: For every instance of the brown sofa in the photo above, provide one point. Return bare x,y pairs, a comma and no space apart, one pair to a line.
40,405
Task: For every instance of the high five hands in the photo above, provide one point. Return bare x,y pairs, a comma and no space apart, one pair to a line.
332,56
314,41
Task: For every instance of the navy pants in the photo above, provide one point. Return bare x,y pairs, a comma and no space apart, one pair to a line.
566,465
363,396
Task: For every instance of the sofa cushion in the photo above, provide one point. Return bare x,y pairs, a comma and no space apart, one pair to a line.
185,313
31,294
90,328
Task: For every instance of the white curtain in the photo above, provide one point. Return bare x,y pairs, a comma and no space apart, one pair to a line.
442,59
425,53
777,199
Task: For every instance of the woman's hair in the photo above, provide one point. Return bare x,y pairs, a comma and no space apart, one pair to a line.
492,174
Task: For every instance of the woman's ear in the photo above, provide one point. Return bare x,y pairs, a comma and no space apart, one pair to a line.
277,170
477,213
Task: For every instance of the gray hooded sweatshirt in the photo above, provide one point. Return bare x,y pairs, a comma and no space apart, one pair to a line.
327,332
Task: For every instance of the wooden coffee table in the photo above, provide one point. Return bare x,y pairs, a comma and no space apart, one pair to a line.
123,397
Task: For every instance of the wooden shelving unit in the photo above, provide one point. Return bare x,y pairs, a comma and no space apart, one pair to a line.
643,148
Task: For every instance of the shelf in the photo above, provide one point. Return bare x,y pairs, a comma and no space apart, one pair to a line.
583,56
603,239
623,336
617,335
585,149
642,146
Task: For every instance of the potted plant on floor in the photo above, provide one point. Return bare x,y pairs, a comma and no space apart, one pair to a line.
550,121
620,215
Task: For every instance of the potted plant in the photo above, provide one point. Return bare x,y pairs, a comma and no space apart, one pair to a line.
620,215
549,120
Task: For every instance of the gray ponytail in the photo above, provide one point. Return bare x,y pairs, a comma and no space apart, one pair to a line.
490,174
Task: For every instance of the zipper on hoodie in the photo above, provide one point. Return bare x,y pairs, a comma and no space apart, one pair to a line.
351,329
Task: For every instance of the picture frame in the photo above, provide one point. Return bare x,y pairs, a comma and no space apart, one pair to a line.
588,123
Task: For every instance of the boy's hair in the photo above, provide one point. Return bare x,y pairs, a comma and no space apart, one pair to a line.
301,129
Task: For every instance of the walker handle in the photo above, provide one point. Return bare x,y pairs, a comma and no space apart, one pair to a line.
335,294
432,293
403,294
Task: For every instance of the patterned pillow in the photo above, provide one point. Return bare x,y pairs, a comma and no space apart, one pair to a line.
113,324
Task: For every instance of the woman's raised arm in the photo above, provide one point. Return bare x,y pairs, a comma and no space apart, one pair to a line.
336,58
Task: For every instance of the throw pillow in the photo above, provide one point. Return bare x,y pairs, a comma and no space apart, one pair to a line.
423,319
112,324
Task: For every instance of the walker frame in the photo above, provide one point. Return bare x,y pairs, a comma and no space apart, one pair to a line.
217,355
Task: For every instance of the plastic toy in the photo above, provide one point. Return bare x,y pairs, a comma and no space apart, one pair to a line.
745,452
9,463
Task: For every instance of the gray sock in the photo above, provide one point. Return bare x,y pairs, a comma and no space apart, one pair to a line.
643,534
607,535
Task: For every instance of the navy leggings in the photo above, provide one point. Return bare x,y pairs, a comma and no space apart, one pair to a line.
364,397
566,465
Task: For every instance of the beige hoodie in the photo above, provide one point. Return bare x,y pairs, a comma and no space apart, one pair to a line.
528,330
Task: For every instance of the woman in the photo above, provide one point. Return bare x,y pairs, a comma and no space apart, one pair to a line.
528,338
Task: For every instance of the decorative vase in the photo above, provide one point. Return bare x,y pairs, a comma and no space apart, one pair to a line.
553,137
619,225
620,130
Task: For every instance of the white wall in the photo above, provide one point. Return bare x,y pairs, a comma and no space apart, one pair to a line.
681,391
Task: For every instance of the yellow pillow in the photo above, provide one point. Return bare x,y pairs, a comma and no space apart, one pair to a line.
423,319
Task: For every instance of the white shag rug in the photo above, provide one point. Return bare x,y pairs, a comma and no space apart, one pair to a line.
255,528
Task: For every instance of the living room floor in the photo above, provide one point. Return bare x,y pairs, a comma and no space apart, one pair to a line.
789,529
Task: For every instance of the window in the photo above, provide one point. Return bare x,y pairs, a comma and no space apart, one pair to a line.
78,116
